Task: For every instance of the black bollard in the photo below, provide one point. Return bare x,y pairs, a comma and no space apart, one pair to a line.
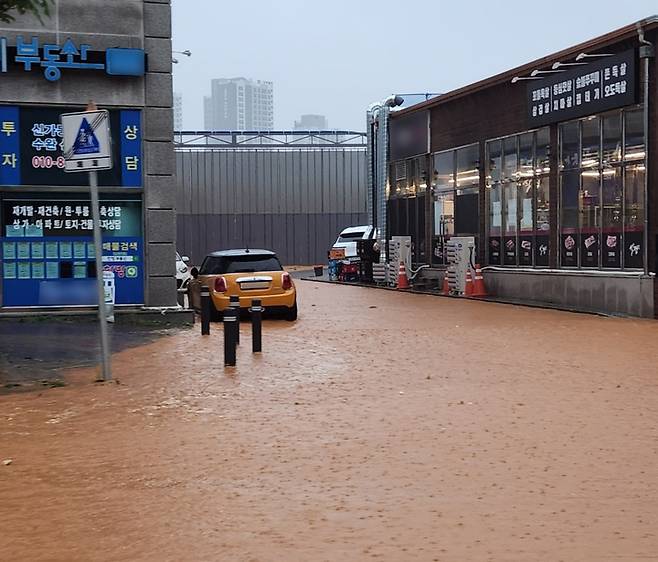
205,311
230,325
256,326
235,305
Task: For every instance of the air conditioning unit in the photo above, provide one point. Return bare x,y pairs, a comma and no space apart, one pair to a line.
460,251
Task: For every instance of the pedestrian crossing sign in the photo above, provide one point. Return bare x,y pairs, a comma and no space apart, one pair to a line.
87,143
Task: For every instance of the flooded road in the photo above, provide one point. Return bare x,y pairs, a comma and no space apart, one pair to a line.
380,426
60,344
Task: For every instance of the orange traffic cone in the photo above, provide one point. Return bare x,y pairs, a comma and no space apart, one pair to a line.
479,290
446,285
403,280
468,290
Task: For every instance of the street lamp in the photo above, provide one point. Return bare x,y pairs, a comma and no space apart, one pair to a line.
186,52
538,72
559,64
519,78
582,56
427,95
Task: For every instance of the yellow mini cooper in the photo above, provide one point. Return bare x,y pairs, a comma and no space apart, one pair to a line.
249,274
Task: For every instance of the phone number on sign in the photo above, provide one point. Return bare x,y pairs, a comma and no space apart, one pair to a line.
48,162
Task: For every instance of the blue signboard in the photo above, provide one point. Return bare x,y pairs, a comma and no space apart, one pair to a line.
48,256
53,58
31,148
10,147
131,148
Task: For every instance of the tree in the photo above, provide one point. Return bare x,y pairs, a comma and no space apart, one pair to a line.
37,7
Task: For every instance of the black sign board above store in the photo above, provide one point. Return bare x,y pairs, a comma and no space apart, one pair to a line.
409,135
601,85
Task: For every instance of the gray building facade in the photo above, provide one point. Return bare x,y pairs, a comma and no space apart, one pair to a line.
292,194
87,50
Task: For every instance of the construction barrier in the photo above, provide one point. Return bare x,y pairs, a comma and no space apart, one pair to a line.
479,290
403,280
468,291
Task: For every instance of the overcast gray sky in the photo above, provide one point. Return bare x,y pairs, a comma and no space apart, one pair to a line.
335,57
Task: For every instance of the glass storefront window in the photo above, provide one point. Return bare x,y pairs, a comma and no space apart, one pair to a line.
525,209
569,145
468,159
510,158
591,141
543,151
526,223
604,192
514,202
590,217
543,198
444,224
510,208
444,170
444,216
633,136
456,181
400,178
407,178
612,220
526,156
495,201
510,216
542,221
467,212
494,158
634,216
406,203
410,184
420,176
569,191
495,210
611,139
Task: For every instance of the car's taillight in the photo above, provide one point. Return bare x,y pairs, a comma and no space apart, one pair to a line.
220,285
286,281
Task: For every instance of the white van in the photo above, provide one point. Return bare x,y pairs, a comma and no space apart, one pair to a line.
348,237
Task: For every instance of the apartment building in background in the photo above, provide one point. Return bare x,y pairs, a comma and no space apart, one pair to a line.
311,122
239,104
178,111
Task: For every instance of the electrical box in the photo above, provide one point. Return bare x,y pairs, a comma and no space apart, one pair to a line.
394,257
460,251
404,254
399,250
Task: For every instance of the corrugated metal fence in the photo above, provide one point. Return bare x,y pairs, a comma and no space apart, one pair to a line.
288,199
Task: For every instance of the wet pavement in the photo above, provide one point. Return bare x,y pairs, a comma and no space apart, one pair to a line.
380,426
36,351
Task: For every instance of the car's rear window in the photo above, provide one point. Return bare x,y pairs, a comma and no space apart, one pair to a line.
351,236
217,265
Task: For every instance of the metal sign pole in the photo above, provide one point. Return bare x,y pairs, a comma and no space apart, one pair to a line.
88,147
98,249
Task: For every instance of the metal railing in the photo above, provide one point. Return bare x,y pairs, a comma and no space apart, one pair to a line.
269,139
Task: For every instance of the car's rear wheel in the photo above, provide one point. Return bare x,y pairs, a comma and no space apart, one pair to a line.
291,313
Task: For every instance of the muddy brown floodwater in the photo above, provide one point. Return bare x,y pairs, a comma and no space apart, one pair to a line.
380,426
